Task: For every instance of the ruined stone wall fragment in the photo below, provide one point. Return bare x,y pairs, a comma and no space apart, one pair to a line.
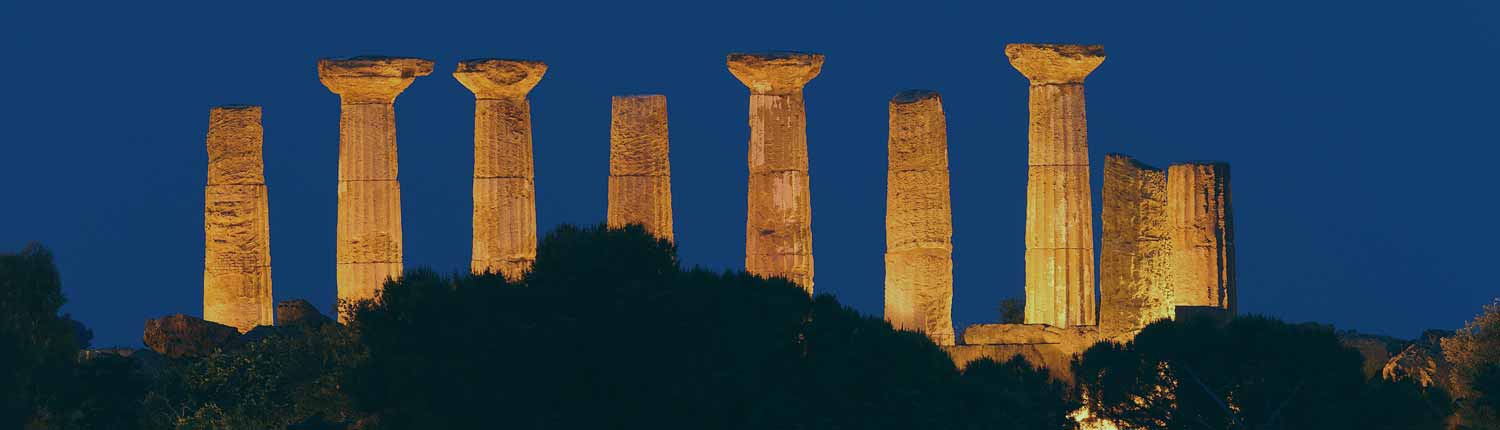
1135,264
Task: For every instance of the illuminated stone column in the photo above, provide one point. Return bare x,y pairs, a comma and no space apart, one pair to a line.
640,173
778,227
1059,213
504,182
1135,252
1202,222
919,218
369,216
236,226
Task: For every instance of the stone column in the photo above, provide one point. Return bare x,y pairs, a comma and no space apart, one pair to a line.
1202,223
919,218
1059,212
369,217
778,227
504,182
1136,248
236,226
640,173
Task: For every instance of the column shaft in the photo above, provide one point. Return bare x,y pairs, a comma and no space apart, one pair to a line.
1059,210
504,187
918,220
237,234
1202,223
640,188
778,233
369,213
1136,248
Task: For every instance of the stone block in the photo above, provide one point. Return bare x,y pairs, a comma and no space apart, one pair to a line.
919,292
1135,265
179,336
644,200
502,138
369,222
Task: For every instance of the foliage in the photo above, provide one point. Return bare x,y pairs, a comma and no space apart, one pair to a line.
1014,394
37,347
1474,353
286,377
1247,373
607,331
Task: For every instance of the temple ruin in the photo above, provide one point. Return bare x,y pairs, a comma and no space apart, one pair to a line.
369,214
236,222
640,172
1202,224
1135,264
1059,206
504,179
919,218
778,225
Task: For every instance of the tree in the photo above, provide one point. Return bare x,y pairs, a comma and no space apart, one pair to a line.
1474,353
1247,373
37,347
1014,394
1012,311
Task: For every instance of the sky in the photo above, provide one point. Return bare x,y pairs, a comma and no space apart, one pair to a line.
1360,134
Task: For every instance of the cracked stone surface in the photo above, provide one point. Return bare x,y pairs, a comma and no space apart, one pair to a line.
918,219
1135,264
236,227
640,173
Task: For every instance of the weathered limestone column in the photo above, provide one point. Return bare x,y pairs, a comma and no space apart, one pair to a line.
1135,262
778,227
369,217
1202,223
236,222
640,173
1059,212
504,182
919,218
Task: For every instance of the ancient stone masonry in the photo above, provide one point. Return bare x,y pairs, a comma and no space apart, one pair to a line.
1135,262
1200,215
640,173
236,227
1059,213
778,227
504,182
369,215
918,218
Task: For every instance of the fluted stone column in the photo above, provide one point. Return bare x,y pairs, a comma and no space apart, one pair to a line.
1202,223
1059,213
1135,264
236,227
919,218
640,173
504,179
369,216
778,227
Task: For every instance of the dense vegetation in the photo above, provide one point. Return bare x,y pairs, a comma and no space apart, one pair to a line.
609,331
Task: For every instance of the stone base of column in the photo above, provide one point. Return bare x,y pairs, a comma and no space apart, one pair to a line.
918,292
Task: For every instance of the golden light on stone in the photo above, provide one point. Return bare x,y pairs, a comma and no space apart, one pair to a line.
778,227
918,218
640,172
1135,259
504,179
369,213
236,227
1201,219
1059,212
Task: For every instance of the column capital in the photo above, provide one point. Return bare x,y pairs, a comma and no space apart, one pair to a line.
493,78
368,80
776,72
1044,63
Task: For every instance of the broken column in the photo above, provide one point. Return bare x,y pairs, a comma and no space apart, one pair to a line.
640,178
918,218
778,227
236,227
504,182
1202,222
369,215
1135,249
1059,213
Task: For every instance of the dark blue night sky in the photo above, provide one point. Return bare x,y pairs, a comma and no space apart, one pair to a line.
1361,133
